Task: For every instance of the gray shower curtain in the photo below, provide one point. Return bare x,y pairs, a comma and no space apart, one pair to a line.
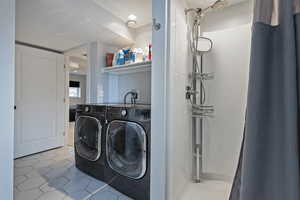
269,162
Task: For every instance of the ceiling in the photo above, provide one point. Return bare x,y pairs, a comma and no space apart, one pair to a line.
82,65
65,24
123,8
207,3
62,25
78,56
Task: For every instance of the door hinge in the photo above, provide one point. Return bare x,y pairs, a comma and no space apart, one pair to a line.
156,26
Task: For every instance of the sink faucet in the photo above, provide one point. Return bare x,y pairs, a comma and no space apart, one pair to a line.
134,96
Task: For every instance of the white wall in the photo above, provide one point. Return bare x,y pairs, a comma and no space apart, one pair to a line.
143,36
229,60
92,78
233,16
230,31
141,82
106,88
99,81
7,48
82,80
179,168
119,85
83,65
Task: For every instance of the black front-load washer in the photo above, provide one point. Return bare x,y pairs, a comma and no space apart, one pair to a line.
89,140
128,149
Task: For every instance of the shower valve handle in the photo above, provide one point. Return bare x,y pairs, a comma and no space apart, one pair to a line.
190,92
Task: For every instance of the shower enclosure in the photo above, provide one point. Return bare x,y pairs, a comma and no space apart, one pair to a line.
207,89
209,60
196,91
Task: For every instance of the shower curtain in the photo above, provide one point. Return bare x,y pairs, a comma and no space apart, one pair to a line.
268,168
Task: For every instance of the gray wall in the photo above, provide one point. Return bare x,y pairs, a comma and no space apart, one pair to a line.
82,80
7,48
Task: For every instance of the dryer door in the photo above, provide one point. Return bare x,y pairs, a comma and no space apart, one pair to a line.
88,137
127,148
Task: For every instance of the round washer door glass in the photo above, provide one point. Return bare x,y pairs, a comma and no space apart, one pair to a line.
127,148
88,137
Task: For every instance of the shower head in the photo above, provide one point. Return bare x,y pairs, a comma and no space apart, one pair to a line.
219,4
195,10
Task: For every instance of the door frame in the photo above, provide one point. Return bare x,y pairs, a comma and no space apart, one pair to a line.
159,76
7,80
67,54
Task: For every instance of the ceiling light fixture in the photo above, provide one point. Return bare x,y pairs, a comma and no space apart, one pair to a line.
74,65
131,23
132,17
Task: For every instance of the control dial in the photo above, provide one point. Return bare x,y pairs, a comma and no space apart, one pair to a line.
124,113
86,109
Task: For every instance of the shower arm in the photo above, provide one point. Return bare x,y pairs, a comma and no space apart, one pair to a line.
201,12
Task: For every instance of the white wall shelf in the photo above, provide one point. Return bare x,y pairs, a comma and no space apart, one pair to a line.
130,68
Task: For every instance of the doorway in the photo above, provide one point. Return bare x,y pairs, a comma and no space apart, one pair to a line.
77,68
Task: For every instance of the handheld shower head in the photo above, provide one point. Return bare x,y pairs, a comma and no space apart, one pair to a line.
219,4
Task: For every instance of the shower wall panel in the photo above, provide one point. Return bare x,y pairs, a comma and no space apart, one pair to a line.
222,135
179,121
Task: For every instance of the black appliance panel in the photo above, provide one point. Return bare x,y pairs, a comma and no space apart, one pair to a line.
88,137
126,148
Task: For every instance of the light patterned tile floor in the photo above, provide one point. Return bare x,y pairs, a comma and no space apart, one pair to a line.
52,175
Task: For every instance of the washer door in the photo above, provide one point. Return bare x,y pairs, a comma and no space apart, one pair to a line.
127,148
88,137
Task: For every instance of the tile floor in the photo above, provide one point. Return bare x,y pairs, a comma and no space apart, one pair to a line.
208,189
52,175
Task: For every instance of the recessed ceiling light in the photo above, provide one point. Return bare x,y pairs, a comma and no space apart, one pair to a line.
132,17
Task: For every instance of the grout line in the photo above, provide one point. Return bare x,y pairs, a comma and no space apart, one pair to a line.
98,190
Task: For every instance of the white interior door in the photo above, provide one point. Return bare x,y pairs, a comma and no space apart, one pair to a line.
40,107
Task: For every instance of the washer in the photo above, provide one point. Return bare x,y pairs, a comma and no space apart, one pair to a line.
127,149
89,142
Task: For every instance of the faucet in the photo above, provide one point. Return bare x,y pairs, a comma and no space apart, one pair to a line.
134,96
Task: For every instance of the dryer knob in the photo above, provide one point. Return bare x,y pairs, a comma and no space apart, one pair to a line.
124,113
86,109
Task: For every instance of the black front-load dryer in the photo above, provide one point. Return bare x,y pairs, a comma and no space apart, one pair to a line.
89,140
128,150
